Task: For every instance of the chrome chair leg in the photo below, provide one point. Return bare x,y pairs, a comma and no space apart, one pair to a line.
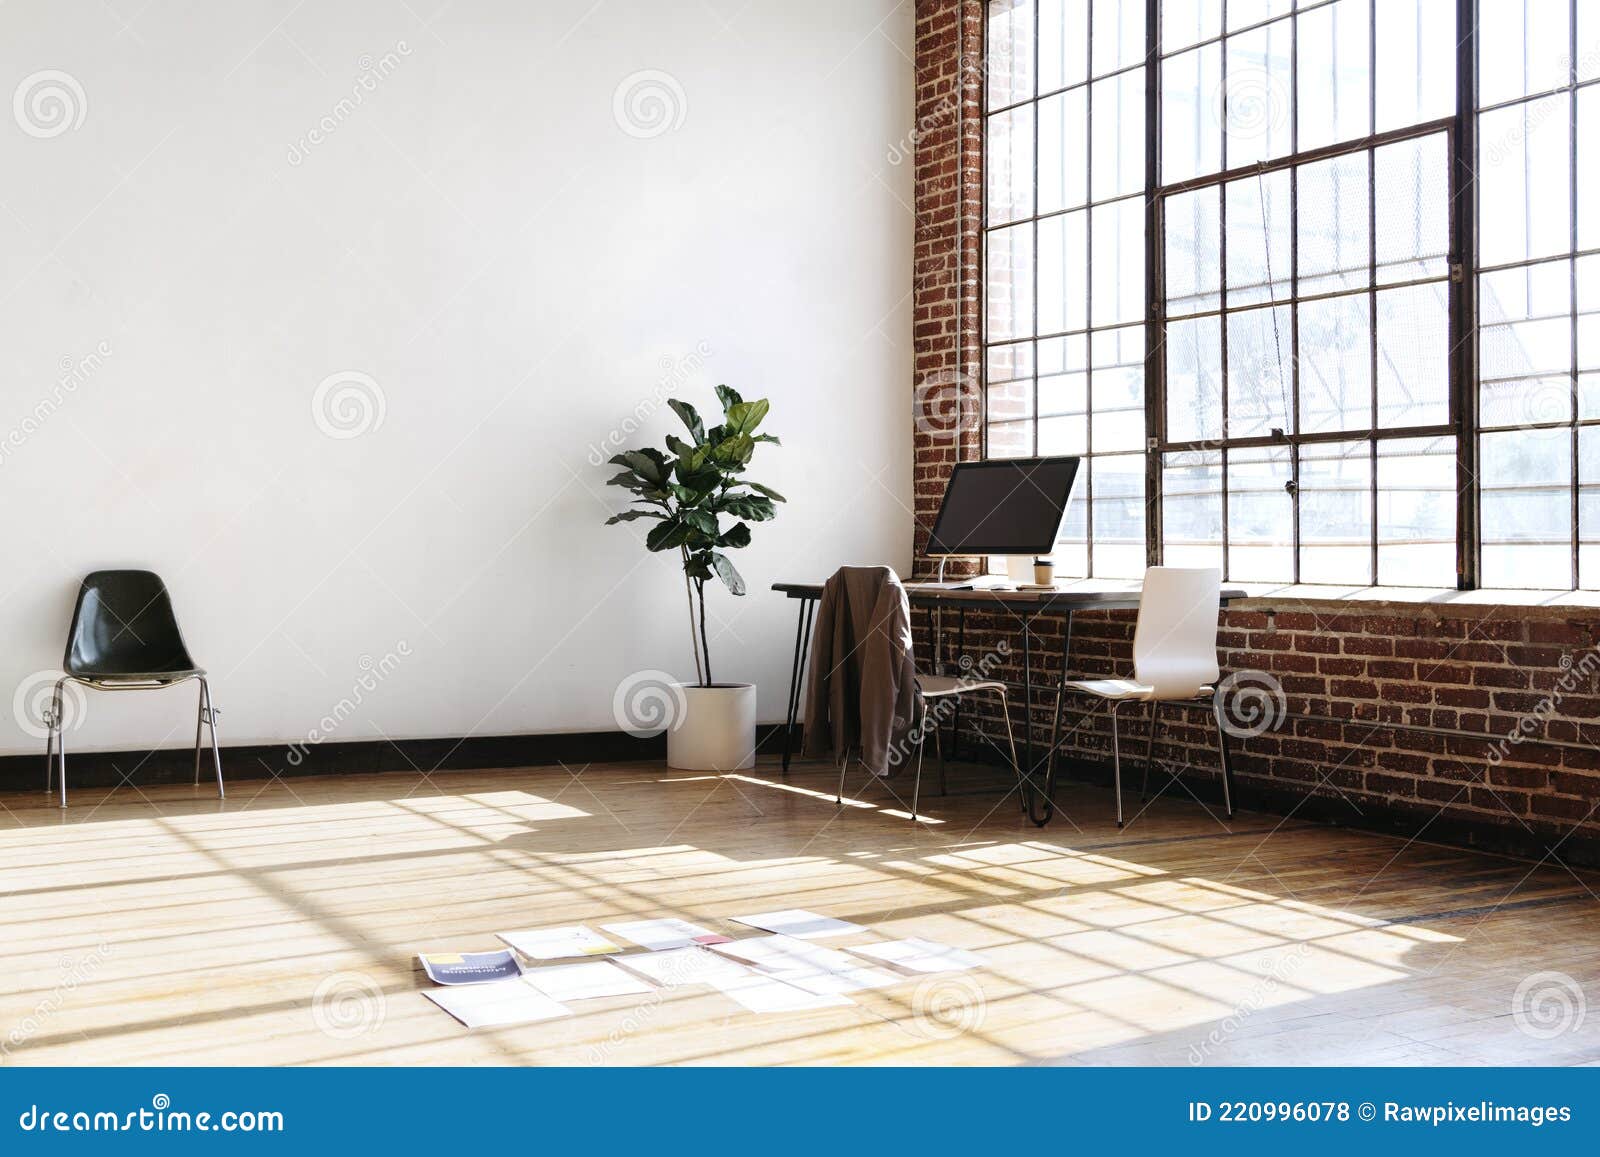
916,784
1150,748
216,751
199,721
838,795
1222,754
938,746
61,739
1011,739
1116,761
49,746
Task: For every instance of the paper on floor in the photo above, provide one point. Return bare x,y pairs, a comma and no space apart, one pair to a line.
799,923
659,935
470,967
809,966
585,981
766,994
499,1002
558,943
918,955
676,966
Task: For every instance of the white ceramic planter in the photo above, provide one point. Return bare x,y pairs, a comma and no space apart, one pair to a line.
717,730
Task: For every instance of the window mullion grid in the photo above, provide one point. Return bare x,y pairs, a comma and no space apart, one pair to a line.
1293,417
1088,288
1572,270
1222,300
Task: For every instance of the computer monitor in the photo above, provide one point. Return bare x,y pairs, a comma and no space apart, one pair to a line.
1004,506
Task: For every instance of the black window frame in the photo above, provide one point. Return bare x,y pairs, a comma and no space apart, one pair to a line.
1460,129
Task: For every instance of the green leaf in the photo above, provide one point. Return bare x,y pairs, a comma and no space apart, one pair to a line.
738,535
629,479
633,515
767,490
697,484
691,419
750,506
729,397
773,438
670,535
649,464
743,417
679,447
703,521
698,567
727,573
733,452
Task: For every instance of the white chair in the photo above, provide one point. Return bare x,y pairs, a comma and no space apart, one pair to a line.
1174,660
938,688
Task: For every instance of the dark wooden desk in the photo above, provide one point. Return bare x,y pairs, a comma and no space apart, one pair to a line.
1024,607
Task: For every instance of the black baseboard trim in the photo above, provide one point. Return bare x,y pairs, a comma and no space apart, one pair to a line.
1396,818
266,761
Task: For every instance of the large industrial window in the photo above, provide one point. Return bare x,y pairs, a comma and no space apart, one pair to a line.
1263,214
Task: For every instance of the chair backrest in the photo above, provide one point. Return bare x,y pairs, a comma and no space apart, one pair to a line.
124,625
1175,641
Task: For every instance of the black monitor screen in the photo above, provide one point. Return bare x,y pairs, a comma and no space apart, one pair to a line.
1004,506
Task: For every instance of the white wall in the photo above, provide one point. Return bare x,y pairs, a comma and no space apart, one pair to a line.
516,274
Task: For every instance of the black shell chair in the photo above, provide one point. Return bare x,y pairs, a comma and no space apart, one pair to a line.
124,637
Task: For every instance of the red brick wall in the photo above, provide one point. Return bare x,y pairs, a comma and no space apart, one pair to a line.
946,301
1393,716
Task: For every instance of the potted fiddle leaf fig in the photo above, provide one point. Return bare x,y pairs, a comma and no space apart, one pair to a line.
701,505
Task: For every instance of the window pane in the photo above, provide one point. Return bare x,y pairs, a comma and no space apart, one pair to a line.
1191,114
1118,515
1008,283
1336,364
1117,262
1336,513
1588,278
1417,512
1258,94
1063,150
1414,356
1118,389
1589,507
1242,13
1193,246
1335,247
1333,81
1260,375
1063,43
1412,200
1009,376
1063,396
1071,555
1258,215
1010,439
1117,135
1588,58
1010,165
1064,272
1526,479
1194,379
1524,48
1588,161
1186,22
1010,51
1260,516
1523,158
1525,345
1116,36
1416,78
1191,509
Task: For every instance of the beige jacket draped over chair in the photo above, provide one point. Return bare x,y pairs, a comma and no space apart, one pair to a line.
862,688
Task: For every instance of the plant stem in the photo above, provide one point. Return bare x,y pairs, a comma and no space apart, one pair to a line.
704,645
688,590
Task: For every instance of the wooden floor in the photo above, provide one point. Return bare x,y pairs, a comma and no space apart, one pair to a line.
165,927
